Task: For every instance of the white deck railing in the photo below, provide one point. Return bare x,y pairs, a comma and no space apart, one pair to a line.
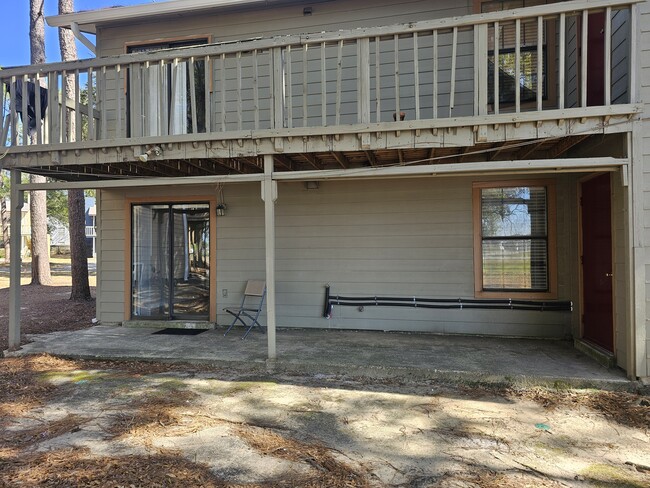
527,60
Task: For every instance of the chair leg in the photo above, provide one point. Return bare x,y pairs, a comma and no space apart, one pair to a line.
231,325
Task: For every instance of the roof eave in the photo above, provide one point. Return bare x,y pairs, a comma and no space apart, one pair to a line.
88,20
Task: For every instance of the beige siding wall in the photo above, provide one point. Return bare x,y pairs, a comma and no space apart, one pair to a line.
644,45
408,237
110,256
328,16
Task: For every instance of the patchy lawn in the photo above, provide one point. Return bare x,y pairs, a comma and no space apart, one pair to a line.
93,423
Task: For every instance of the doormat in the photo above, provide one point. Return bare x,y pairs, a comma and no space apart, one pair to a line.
173,331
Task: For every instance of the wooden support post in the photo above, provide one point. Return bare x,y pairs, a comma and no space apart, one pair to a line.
270,195
14,267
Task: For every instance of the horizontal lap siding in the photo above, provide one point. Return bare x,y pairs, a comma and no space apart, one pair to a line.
112,228
402,237
407,237
329,16
644,24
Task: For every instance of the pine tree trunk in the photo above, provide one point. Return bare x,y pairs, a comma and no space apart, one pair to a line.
40,248
77,219
76,200
38,203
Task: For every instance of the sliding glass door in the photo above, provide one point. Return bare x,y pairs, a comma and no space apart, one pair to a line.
170,261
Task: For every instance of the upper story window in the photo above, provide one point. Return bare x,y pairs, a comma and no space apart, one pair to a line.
506,39
162,94
514,226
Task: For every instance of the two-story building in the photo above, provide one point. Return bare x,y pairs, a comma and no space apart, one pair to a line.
472,167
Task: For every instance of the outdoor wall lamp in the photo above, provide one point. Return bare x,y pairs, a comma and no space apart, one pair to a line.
221,207
153,151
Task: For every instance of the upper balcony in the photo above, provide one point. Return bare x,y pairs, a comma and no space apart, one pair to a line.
451,88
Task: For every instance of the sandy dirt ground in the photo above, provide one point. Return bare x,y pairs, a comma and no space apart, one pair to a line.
45,308
82,423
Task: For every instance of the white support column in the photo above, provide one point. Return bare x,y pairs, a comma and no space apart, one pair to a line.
270,195
14,267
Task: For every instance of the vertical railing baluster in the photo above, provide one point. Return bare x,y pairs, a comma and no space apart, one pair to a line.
633,63
163,100
146,102
304,84
416,74
517,65
608,56
77,106
91,106
289,87
454,52
323,86
277,84
66,129
207,71
540,59
378,77
396,82
195,124
240,110
135,101
434,75
256,94
339,71
562,60
54,107
38,109
119,92
496,67
363,62
13,111
222,71
172,105
24,109
102,104
583,61
481,69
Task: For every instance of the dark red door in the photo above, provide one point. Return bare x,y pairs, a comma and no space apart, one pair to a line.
596,59
597,262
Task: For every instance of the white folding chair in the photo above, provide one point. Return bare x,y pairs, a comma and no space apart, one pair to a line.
250,308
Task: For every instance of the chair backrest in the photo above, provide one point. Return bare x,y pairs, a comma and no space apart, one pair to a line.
255,288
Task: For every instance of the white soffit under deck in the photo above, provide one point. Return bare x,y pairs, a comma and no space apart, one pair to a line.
88,20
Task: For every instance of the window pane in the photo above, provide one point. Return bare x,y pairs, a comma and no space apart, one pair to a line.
512,212
514,238
515,264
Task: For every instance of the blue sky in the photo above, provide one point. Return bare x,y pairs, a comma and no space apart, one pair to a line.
14,34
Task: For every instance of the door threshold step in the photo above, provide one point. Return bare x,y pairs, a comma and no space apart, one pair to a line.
168,324
594,351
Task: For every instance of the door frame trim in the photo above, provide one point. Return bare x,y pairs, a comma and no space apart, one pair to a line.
211,200
580,253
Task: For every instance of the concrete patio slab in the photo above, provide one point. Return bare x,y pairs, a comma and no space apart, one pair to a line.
374,354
